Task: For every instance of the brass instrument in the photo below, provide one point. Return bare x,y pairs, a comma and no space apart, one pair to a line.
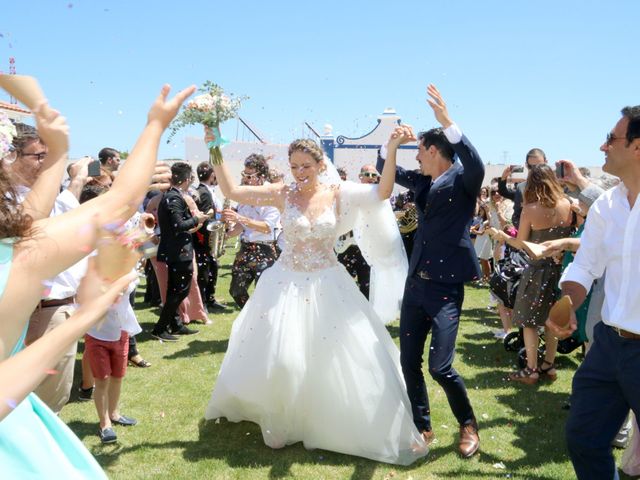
217,239
217,233
407,219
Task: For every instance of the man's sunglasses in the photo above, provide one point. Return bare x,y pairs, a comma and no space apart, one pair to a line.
612,138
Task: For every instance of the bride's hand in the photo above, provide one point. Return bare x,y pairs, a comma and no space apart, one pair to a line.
209,136
401,134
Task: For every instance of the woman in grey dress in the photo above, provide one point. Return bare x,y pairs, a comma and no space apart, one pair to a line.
546,215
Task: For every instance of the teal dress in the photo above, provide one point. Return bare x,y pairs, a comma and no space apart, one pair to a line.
34,442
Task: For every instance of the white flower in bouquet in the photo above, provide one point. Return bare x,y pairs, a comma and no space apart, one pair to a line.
210,109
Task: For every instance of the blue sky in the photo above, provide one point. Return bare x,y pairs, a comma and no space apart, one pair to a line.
515,74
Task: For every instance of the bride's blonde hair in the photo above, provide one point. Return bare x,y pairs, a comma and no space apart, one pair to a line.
306,145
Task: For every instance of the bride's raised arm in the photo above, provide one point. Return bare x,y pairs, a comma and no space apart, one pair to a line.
401,134
269,194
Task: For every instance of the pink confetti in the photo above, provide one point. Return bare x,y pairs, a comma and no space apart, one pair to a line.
51,371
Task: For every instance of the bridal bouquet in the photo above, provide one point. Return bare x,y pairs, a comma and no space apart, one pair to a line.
210,109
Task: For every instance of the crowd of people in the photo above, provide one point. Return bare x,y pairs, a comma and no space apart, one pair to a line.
319,251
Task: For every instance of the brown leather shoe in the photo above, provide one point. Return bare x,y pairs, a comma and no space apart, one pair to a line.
469,439
428,436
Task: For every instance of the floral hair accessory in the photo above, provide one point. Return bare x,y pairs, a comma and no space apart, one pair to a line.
7,133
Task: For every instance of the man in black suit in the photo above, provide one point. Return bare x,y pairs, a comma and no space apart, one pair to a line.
443,258
176,250
207,264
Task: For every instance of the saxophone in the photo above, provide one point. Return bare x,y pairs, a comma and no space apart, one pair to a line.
217,234
407,219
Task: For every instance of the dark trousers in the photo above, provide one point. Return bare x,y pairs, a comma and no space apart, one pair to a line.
434,307
179,281
605,387
250,262
357,267
207,275
152,292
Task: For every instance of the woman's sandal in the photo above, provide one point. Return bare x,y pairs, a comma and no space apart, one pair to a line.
548,373
139,362
524,375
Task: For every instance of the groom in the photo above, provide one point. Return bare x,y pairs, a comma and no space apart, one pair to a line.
443,258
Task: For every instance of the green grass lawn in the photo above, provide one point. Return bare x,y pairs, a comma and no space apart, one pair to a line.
521,427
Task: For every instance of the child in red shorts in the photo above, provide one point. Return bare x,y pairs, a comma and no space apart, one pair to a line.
107,346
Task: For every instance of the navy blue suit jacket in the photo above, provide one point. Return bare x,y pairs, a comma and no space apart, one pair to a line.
442,248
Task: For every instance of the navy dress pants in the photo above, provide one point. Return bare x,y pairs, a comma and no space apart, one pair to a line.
434,307
605,387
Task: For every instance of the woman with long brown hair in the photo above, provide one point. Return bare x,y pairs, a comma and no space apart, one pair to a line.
546,215
33,441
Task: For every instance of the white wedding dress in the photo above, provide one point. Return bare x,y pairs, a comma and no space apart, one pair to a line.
309,359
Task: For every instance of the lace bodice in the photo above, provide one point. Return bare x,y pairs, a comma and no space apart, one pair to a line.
308,243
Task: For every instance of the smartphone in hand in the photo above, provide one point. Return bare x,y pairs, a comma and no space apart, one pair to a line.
517,169
94,169
560,170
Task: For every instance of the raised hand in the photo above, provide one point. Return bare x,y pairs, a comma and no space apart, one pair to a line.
439,107
507,172
572,176
401,134
209,135
163,110
52,128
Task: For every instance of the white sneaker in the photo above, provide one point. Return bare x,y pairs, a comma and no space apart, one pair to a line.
500,334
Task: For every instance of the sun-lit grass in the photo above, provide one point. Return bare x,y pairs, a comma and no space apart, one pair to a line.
521,427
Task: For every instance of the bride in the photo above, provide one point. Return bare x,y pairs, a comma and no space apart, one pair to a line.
309,359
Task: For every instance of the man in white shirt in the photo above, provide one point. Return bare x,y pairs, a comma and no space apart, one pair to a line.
256,226
58,300
607,384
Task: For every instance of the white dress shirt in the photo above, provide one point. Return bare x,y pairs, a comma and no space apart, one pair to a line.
270,215
119,317
611,241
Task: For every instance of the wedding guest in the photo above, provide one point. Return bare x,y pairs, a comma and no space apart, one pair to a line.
546,215
256,226
535,156
207,264
605,385
59,300
109,159
176,250
33,441
107,351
